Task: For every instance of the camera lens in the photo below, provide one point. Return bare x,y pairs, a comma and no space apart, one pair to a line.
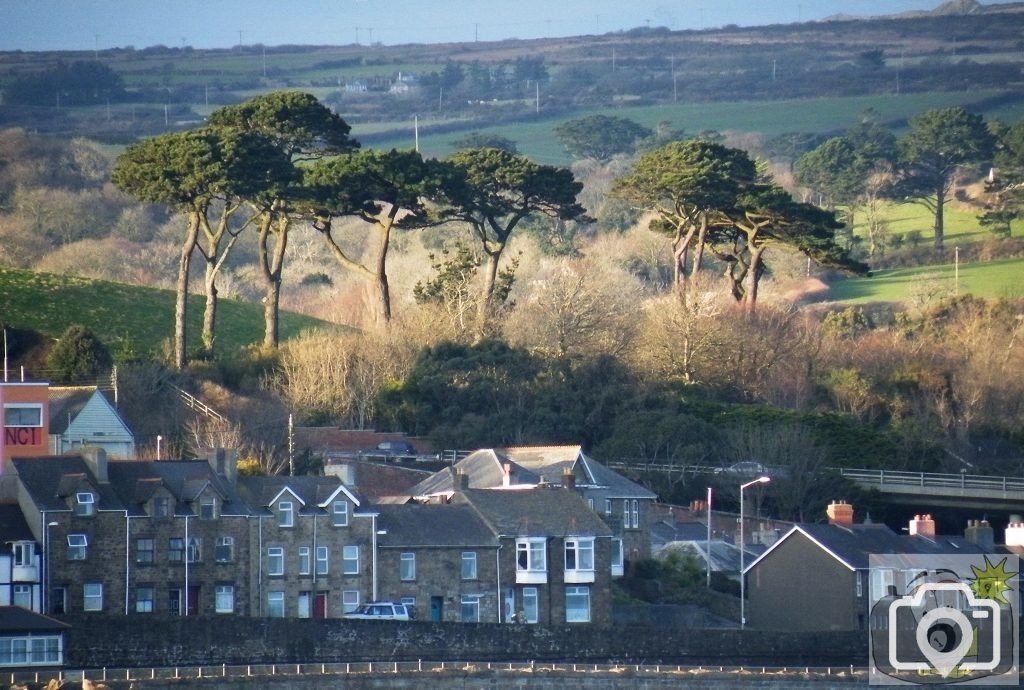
942,637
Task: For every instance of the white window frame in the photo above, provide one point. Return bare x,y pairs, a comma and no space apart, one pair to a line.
305,560
470,603
579,559
227,543
20,407
207,507
469,569
635,510
78,547
304,605
21,595
577,615
349,600
143,603
625,513
339,514
85,504
194,549
161,507
531,605
92,596
407,567
531,560
176,550
275,604
33,650
285,514
24,553
618,558
275,560
322,560
350,559
607,506
224,599
147,555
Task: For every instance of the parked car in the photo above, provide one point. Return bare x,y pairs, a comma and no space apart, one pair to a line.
389,450
382,611
747,468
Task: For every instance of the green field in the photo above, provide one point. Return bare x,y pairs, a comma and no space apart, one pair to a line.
960,223
537,140
991,280
143,316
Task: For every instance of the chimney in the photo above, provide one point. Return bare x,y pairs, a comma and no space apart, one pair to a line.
224,463
506,474
96,459
461,480
922,525
1015,533
568,480
981,533
840,513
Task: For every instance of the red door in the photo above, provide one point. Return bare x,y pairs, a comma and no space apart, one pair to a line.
320,605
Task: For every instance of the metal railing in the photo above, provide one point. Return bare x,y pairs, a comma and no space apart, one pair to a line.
193,403
935,480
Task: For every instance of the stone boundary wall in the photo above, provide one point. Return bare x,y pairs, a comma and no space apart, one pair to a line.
98,641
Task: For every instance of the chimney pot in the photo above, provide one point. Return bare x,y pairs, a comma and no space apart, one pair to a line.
922,525
840,513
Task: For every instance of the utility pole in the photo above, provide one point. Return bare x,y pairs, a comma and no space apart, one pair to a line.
773,69
416,130
264,62
476,32
239,38
291,445
537,98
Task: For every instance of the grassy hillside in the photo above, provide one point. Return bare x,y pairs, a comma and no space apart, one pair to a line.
143,316
992,279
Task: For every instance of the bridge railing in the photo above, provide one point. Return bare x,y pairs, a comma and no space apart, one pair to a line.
934,480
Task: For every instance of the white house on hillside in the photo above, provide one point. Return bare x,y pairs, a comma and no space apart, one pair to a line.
83,416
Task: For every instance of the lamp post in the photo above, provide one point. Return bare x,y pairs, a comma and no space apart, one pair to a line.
44,598
159,438
743,576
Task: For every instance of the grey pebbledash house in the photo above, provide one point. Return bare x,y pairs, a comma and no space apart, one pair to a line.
816,576
622,504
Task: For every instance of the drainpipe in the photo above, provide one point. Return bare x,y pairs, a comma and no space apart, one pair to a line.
185,609
127,559
259,572
373,565
497,564
314,557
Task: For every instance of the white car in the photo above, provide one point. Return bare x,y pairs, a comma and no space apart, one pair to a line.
382,611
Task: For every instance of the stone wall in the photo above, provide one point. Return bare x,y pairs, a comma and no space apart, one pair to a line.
117,641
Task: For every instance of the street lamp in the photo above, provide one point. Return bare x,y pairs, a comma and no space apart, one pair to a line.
44,599
159,438
743,576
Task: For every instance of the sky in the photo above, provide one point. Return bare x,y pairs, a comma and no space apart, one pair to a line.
99,24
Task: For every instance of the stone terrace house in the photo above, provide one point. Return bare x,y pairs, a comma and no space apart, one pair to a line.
816,577
624,505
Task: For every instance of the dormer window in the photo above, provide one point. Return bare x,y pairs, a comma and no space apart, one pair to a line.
208,508
161,507
286,514
85,504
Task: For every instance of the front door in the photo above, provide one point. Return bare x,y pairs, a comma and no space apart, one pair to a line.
193,600
320,605
437,609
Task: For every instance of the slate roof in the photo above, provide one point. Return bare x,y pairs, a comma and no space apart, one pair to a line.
433,525
531,466
136,481
854,544
65,404
49,480
15,619
550,511
312,491
13,526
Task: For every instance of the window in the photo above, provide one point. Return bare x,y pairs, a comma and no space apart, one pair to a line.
59,600
531,607
144,599
22,596
275,604
470,610
24,552
530,555
410,604
304,604
285,514
350,560
161,507
349,600
617,558
339,514
321,560
225,551
579,560
469,565
625,513
304,560
93,596
29,651
635,510
275,560
590,503
85,504
577,604
78,547
224,598
407,567
195,550
143,550
23,415
208,508
607,506
175,550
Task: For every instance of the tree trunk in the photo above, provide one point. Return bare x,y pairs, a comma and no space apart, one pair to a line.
940,202
753,280
181,299
271,268
210,315
490,278
383,289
